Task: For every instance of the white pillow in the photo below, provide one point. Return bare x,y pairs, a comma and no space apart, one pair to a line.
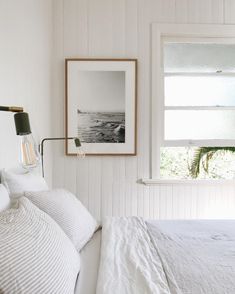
36,256
17,184
4,198
68,212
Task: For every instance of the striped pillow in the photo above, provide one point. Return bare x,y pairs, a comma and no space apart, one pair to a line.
36,256
68,212
4,198
18,183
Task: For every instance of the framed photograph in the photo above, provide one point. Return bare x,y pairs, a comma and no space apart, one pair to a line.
101,105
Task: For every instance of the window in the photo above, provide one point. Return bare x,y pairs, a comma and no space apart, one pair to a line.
194,106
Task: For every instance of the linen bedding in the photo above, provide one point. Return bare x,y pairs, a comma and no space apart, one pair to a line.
167,257
90,258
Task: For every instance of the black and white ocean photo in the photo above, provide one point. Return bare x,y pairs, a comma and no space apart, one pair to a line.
101,107
101,127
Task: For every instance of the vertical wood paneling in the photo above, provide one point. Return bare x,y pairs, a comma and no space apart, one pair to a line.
203,193
131,51
217,11
128,199
111,28
146,202
181,11
82,180
140,200
118,28
134,202
94,186
122,198
162,212
71,27
180,196
70,183
205,11
58,93
107,187
143,90
151,200
131,28
100,28
230,202
116,198
229,11
167,10
187,202
193,202
82,29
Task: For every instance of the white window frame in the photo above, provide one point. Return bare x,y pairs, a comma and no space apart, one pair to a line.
201,32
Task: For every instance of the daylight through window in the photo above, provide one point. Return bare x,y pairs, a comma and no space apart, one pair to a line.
199,110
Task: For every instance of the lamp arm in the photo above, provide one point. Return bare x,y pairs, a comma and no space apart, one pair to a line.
11,108
41,147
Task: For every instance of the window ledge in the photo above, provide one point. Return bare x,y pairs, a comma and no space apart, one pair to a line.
157,182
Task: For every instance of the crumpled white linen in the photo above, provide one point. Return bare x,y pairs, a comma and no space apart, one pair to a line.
167,257
129,261
197,255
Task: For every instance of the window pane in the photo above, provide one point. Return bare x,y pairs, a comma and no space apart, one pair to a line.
200,90
176,163
199,124
196,57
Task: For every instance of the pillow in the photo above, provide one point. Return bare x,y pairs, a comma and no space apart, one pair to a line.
4,198
68,212
36,256
17,184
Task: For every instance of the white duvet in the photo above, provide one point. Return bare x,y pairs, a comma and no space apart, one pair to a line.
162,257
125,254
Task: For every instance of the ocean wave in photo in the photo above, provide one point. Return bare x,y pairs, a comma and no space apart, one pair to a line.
101,127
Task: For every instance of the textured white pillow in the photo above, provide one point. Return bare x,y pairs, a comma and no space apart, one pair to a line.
17,184
68,212
36,256
4,198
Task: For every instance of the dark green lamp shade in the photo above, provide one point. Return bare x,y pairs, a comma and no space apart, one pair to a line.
77,142
22,123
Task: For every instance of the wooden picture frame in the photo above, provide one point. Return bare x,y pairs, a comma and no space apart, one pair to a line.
101,105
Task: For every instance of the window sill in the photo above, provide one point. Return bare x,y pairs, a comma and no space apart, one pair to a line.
157,182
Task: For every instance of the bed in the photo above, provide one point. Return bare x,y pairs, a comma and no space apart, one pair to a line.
129,255
165,257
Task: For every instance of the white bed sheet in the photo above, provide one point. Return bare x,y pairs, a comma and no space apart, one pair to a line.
167,257
90,259
129,262
197,255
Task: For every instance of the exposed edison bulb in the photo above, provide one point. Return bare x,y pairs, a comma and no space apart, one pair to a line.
80,152
29,154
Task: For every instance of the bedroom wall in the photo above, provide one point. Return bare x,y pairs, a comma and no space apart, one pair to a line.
25,76
111,28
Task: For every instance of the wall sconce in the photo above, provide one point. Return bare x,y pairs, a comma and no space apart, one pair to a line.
80,152
29,155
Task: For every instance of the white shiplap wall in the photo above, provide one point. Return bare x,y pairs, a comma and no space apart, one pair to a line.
25,72
121,28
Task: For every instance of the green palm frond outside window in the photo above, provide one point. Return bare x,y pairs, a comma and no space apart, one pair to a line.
202,156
